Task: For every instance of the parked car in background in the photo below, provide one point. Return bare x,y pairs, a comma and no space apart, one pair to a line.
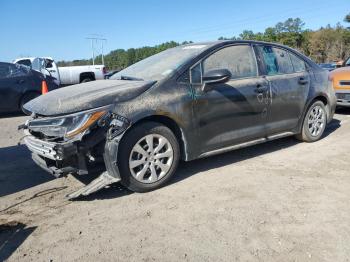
19,84
346,62
67,75
328,66
188,102
110,73
341,82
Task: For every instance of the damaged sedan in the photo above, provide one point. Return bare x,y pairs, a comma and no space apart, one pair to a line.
184,103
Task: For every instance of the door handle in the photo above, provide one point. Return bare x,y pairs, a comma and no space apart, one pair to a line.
21,81
303,81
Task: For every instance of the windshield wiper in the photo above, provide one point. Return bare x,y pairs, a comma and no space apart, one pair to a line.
131,78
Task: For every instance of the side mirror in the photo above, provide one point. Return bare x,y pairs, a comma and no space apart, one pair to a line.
216,76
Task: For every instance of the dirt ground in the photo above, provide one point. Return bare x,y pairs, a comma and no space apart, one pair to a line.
280,201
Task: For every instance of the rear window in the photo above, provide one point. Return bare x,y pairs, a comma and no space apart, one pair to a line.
12,70
25,62
277,61
298,64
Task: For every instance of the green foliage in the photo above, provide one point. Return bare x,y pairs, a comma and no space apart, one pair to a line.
324,45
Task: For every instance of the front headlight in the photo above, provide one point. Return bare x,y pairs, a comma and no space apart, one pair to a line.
67,126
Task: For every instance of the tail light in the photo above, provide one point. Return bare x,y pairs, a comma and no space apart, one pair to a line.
104,70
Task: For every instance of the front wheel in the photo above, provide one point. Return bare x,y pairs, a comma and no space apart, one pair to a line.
148,157
314,123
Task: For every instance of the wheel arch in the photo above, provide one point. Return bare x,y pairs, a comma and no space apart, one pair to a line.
85,75
26,93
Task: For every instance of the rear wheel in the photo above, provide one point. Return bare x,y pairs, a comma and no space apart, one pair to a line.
314,123
25,99
148,157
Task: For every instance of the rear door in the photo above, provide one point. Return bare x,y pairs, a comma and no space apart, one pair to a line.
289,85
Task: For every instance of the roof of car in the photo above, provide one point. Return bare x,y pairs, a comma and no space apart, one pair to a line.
223,42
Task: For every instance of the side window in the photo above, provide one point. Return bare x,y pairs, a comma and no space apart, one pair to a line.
283,60
298,64
17,70
239,60
37,64
277,60
270,59
48,63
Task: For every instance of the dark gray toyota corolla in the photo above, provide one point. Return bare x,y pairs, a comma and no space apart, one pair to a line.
187,102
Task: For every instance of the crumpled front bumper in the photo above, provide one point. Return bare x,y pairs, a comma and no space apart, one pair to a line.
95,152
51,150
56,158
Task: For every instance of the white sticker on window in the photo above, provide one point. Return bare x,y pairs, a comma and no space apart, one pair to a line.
194,47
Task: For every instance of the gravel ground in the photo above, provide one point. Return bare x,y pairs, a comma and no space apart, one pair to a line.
280,201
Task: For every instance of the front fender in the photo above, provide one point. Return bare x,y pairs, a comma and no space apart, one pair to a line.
110,157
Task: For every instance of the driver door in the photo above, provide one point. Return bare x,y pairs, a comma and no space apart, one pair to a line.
234,112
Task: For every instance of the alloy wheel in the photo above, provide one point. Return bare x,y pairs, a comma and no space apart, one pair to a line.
316,120
151,158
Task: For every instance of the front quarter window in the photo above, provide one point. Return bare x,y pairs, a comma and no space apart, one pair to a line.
196,74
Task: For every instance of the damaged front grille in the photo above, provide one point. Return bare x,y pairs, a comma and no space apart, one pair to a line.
43,148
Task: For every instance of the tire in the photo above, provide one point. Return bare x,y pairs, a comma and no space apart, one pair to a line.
25,99
313,124
86,80
154,170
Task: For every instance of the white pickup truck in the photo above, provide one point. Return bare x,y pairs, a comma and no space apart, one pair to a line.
67,75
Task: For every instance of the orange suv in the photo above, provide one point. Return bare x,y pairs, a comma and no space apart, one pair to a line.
341,83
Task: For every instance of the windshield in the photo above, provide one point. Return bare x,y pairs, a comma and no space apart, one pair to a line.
160,65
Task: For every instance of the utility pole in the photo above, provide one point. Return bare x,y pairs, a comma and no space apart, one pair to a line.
94,39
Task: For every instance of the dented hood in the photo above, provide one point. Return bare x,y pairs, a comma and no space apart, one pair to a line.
71,99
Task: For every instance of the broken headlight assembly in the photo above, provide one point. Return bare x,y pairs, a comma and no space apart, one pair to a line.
68,126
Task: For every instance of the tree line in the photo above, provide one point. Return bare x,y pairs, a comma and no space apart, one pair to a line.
327,44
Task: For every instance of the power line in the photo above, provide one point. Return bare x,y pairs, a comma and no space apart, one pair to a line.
94,39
